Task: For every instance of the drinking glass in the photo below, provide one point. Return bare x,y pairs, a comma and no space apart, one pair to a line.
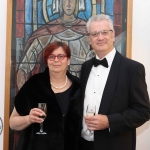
90,111
43,107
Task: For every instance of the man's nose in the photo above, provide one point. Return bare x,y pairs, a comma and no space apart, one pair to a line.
100,36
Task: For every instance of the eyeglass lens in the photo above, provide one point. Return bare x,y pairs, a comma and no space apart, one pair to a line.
103,32
59,57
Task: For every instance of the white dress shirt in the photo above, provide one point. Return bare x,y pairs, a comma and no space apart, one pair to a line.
95,87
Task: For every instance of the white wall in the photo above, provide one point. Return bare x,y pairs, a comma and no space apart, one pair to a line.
140,52
3,6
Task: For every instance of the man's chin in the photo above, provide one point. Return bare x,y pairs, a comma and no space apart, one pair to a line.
101,48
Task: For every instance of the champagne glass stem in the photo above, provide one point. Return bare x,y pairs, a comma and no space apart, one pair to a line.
43,107
41,127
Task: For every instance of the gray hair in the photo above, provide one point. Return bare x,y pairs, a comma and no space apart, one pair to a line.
99,17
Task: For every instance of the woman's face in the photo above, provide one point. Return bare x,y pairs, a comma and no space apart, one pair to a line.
69,6
58,66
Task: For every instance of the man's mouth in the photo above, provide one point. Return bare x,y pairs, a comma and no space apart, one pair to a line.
100,44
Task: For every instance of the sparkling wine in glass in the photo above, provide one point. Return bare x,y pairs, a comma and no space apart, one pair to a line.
90,111
43,107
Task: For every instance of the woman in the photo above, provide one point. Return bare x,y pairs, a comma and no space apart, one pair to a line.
60,91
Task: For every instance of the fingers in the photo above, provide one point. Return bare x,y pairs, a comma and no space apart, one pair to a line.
34,115
97,122
90,122
91,126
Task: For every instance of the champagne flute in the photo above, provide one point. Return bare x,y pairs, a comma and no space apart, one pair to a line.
90,111
43,107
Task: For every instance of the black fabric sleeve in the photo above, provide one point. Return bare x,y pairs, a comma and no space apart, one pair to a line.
23,99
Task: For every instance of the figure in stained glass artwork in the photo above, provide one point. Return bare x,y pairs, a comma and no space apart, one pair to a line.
68,28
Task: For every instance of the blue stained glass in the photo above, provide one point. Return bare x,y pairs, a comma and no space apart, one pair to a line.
28,31
109,7
40,13
88,5
49,11
28,11
49,2
40,25
54,17
85,15
82,16
49,7
98,8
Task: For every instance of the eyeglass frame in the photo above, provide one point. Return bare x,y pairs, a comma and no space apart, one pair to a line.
98,32
56,56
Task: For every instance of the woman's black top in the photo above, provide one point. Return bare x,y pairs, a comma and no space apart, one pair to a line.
63,120
63,99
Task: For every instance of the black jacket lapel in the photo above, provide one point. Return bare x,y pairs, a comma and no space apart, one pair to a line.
110,87
85,71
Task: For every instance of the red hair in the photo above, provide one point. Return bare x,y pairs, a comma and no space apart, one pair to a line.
54,45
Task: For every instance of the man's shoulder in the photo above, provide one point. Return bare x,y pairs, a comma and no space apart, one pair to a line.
129,61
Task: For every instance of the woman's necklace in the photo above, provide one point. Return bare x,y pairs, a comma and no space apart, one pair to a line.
61,86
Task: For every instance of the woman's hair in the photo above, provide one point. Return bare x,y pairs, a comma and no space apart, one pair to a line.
53,46
97,18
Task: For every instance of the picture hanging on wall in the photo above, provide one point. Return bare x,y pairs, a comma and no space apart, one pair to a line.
35,24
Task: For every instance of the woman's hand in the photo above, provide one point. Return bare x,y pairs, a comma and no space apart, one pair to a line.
34,115
18,122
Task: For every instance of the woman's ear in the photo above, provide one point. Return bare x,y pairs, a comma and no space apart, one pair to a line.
68,61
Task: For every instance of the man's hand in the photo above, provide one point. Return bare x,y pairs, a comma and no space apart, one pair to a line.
97,122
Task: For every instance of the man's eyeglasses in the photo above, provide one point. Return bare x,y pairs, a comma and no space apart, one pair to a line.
103,32
59,57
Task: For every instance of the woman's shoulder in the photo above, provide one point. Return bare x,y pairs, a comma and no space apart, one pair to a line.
73,78
35,80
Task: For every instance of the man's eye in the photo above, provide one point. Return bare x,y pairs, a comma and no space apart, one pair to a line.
104,32
94,34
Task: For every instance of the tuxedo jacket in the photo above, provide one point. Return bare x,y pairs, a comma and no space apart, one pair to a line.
125,101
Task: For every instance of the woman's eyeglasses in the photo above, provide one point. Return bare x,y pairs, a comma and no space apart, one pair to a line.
59,57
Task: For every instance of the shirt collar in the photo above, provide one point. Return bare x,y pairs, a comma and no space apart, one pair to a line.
110,56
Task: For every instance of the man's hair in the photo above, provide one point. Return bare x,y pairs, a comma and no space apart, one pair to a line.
97,18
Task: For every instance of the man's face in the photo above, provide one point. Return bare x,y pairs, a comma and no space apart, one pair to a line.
102,43
69,6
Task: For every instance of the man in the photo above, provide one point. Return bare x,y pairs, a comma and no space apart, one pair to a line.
117,89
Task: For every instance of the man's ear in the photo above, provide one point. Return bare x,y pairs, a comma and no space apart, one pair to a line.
89,39
114,36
